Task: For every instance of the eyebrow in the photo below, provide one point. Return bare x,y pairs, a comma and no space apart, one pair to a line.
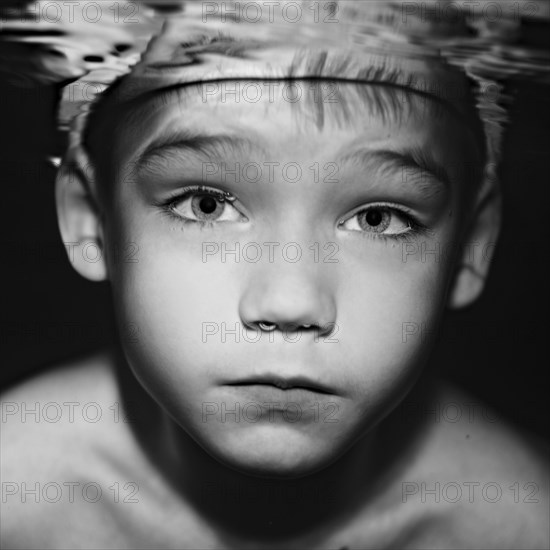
416,163
211,146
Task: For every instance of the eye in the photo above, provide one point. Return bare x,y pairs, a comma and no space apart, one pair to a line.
202,204
382,220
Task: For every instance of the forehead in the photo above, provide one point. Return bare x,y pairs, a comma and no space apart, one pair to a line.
304,122
298,117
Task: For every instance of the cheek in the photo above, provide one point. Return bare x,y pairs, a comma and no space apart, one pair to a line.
389,312
174,299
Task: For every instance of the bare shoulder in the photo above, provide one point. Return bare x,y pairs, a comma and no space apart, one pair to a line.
55,404
478,481
59,441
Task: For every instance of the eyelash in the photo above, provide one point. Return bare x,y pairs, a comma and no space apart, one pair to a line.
416,228
167,205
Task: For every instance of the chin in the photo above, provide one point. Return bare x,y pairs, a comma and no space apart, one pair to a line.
273,453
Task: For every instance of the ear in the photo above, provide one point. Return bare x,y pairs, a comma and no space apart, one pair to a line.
478,248
79,216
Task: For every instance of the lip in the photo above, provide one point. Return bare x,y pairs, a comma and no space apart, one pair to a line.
284,383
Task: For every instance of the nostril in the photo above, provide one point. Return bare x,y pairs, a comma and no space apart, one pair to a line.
93,58
122,47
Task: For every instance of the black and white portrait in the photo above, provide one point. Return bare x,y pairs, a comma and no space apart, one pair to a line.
274,274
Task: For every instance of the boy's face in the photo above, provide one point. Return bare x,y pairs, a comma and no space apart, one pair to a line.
374,234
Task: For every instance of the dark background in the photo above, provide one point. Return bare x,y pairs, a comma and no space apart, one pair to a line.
497,349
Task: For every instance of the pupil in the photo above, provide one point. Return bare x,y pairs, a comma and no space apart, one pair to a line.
208,204
374,217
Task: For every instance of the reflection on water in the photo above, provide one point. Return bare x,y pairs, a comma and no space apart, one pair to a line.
53,41
440,48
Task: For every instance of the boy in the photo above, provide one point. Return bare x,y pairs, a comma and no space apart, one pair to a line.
269,257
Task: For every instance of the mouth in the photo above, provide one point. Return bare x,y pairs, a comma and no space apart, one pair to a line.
283,383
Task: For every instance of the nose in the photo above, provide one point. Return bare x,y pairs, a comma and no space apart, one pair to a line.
288,298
